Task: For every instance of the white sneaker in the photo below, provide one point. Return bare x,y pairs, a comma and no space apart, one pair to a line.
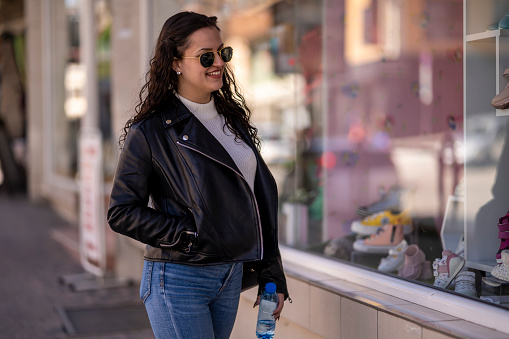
396,258
501,271
460,250
446,268
465,284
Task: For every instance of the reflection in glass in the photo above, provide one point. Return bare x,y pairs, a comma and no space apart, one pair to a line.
360,107
69,80
395,121
67,87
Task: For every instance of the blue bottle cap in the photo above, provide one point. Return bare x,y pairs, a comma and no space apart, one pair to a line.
270,288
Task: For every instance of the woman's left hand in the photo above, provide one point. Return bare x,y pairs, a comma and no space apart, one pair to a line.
280,305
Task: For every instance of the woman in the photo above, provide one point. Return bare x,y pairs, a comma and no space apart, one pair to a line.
191,148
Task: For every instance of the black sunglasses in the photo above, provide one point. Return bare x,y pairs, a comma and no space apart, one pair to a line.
207,58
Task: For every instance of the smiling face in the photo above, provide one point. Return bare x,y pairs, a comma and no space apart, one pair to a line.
195,81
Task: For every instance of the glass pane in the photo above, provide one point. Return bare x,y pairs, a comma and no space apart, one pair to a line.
67,78
360,107
68,81
394,135
103,22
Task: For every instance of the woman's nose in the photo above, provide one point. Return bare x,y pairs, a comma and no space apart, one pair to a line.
217,60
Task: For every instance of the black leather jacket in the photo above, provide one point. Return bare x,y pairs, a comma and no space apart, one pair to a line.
203,211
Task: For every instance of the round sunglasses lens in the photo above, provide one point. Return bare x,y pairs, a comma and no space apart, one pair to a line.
207,59
226,54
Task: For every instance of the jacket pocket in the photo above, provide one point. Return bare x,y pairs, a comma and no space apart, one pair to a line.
186,240
185,237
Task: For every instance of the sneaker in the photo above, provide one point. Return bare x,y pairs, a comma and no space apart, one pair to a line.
501,271
383,241
371,224
396,258
460,250
504,21
501,100
465,284
503,235
390,200
447,268
415,266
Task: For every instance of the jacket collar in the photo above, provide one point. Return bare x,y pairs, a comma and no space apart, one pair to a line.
173,115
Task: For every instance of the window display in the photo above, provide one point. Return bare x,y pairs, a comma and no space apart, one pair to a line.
486,150
378,161
395,125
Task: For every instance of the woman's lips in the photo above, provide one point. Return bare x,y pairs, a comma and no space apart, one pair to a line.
215,74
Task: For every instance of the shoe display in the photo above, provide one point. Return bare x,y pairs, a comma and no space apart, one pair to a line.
465,284
504,22
371,224
501,271
396,258
503,235
416,266
383,241
501,100
390,200
447,268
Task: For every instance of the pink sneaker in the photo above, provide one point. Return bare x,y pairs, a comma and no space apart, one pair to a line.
416,266
383,241
503,235
446,269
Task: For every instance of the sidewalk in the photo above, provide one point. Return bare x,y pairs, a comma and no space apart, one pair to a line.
32,261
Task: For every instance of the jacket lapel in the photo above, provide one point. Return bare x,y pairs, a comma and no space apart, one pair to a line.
198,137
194,135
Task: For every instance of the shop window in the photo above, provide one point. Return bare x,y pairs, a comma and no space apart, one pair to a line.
393,145
360,107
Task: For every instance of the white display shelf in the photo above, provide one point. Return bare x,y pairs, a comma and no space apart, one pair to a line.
486,35
482,265
502,112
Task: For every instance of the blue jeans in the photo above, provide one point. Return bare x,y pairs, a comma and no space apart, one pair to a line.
187,302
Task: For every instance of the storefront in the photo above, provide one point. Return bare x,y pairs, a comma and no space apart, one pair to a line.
376,118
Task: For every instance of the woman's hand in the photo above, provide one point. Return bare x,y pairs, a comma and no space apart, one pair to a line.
280,305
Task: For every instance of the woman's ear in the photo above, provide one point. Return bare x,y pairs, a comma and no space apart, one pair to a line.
176,65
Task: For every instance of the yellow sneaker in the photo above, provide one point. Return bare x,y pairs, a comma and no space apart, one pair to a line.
371,224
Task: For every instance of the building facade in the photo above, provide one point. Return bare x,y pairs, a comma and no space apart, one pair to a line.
377,123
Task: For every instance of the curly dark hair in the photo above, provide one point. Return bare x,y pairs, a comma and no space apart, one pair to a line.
161,80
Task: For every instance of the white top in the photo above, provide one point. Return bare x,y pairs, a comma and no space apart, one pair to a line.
239,151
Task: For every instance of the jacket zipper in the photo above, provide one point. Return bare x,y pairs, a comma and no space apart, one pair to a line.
240,175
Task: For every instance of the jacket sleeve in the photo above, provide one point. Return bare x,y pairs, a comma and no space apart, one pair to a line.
128,212
271,270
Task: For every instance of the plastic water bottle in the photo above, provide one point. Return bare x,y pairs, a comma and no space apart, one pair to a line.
266,324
